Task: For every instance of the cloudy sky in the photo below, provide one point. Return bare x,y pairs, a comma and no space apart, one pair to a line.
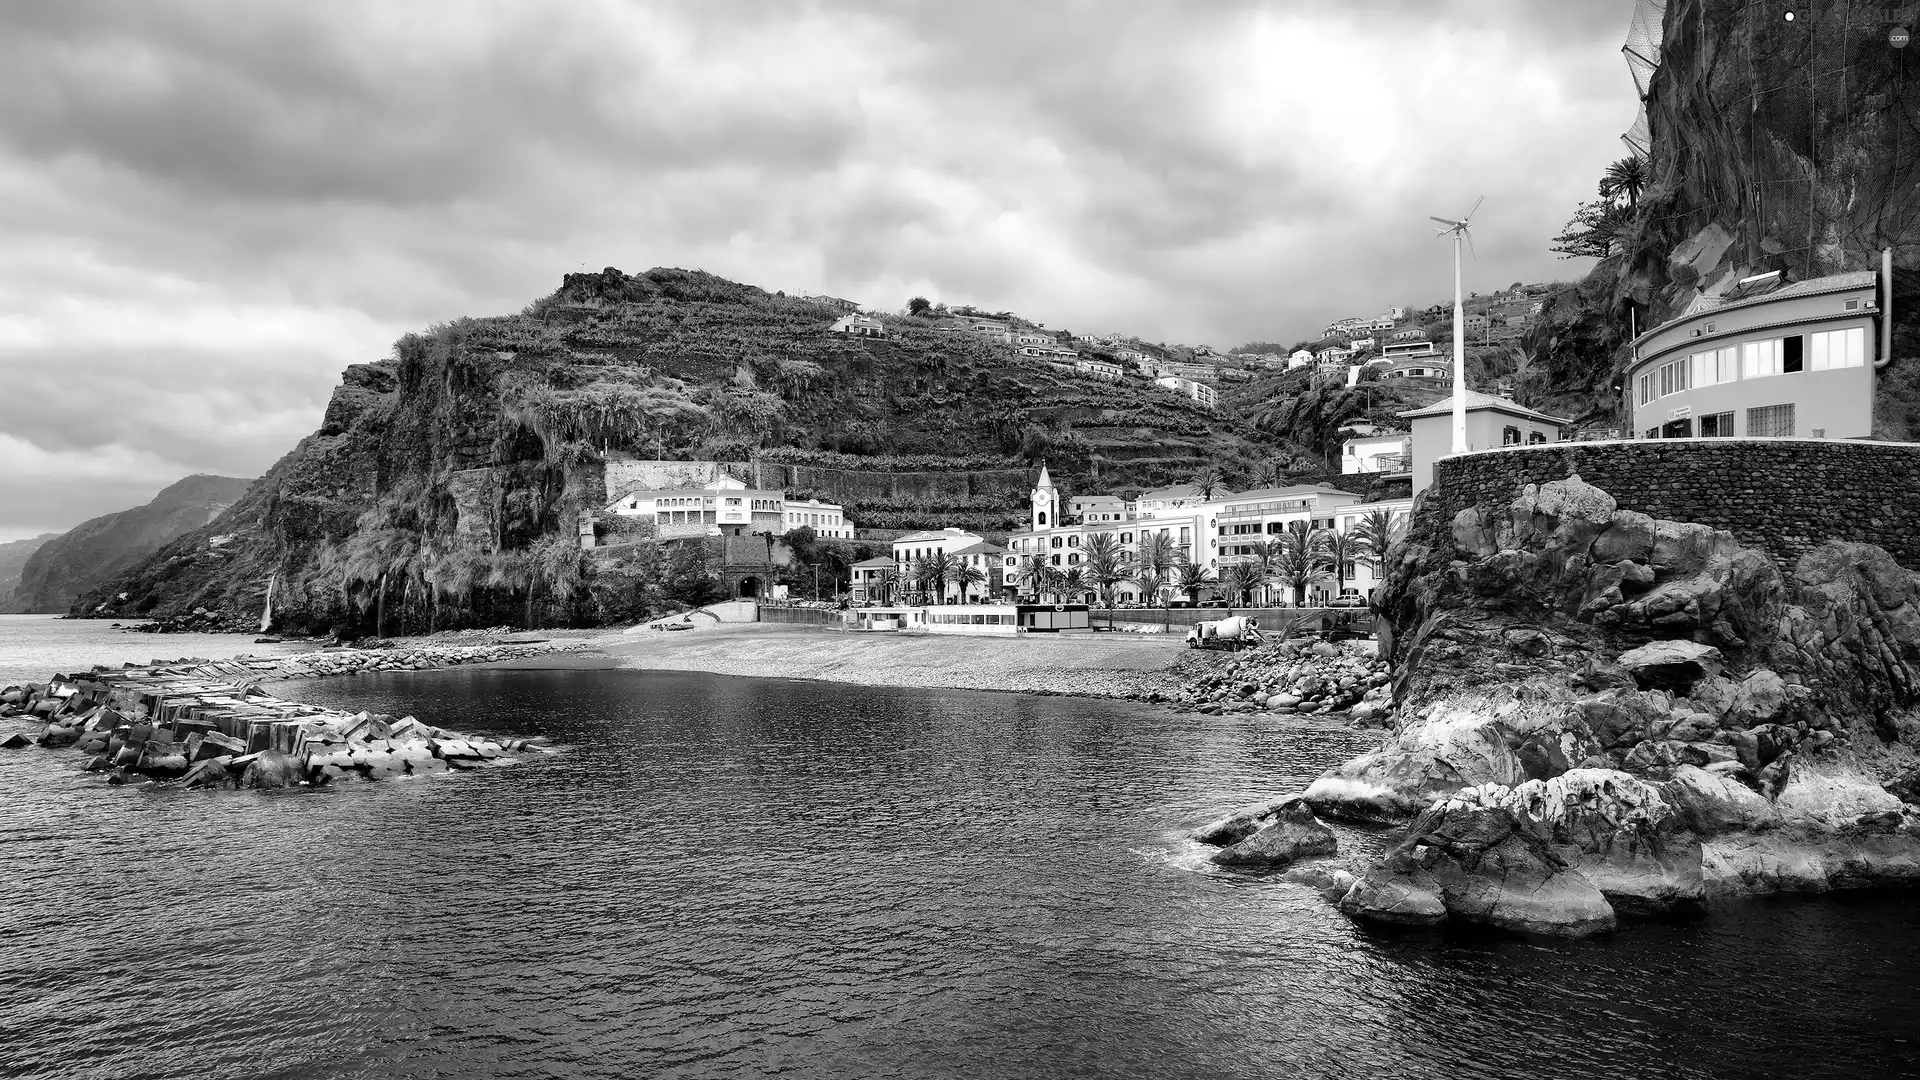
212,208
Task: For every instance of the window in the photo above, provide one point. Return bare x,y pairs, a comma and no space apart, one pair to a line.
1073,541
1535,438
1770,421
1510,436
1716,366
1838,349
1790,353
1653,433
1717,426
1126,538
1759,359
1057,542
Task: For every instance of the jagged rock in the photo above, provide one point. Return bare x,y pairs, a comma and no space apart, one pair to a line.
272,769
16,741
1332,882
1413,900
1486,865
210,773
1293,834
1672,665
1239,825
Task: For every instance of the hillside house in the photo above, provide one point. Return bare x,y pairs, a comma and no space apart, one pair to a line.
1474,324
1397,350
1410,335
1491,422
1190,388
1099,369
1387,452
824,518
724,507
1362,344
1299,359
858,326
1381,322
872,580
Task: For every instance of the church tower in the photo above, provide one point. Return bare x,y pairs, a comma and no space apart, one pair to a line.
1046,502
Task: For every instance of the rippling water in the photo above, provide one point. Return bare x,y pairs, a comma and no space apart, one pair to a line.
33,647
726,877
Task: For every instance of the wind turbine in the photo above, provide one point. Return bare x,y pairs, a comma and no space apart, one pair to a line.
1458,230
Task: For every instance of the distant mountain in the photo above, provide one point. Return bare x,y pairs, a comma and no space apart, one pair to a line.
62,568
13,558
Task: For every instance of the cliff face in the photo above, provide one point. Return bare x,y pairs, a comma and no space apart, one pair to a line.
444,485
1775,145
94,552
13,559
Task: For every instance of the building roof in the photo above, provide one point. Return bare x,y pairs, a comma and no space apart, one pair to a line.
981,548
880,561
932,534
1045,481
1853,279
1476,401
1181,491
1291,491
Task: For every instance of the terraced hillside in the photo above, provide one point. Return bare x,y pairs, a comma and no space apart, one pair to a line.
445,483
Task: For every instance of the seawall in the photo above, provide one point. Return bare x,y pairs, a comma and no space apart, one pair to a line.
1783,496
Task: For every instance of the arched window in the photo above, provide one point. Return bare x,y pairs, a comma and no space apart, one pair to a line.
1043,517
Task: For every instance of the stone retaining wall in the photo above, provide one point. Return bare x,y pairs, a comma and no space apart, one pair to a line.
1783,496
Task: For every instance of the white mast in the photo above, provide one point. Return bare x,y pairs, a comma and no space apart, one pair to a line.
1458,229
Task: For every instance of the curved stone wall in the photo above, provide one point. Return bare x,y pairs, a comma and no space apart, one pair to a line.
1783,496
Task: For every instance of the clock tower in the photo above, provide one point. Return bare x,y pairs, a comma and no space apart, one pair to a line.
1046,502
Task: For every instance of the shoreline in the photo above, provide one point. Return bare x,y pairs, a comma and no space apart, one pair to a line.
1121,666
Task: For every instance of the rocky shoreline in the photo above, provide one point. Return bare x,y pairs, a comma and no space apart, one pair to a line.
208,724
1600,715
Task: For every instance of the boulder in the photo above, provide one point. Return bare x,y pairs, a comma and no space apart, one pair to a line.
209,773
1451,746
1486,865
273,769
1672,665
1239,825
1293,834
1760,698
1400,901
16,741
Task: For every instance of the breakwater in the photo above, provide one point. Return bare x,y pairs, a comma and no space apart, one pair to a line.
209,723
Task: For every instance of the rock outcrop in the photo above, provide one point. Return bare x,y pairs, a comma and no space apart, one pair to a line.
1594,704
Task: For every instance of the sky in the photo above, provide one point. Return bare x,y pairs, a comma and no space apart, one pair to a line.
213,208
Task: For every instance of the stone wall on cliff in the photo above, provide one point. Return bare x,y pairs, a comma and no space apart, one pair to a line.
1781,496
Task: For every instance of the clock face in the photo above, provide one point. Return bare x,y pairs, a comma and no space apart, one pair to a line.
1039,498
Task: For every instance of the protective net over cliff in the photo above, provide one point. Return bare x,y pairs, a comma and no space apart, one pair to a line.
1642,50
1789,123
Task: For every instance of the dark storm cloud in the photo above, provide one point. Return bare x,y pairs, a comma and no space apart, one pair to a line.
214,207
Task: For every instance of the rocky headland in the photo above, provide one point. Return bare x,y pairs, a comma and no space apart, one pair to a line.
1602,715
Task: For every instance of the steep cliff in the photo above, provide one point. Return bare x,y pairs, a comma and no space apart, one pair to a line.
1776,144
95,552
444,483
13,559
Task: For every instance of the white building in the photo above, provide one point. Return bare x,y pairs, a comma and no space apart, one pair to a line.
1198,391
920,545
1386,452
1300,358
724,506
1099,369
824,518
858,326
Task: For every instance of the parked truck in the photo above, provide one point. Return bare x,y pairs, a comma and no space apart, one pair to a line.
1231,632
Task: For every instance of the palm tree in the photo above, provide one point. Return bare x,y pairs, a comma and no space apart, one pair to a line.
1341,550
1239,581
937,569
1106,563
1207,480
1149,582
1266,554
1032,573
1375,534
1191,578
1157,553
1302,559
889,584
1626,177
1072,582
966,576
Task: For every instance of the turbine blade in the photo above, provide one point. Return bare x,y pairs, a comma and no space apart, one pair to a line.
1475,210
1469,236
1443,221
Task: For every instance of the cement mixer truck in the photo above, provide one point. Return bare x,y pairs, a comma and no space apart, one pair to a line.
1230,632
